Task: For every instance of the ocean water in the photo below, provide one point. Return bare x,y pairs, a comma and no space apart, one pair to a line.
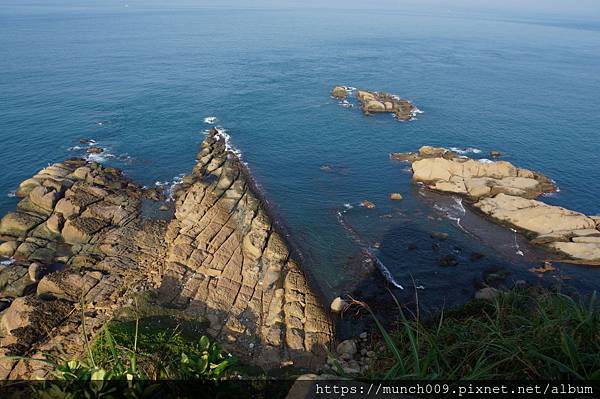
140,81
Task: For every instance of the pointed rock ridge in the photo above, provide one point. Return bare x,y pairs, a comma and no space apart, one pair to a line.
228,261
506,194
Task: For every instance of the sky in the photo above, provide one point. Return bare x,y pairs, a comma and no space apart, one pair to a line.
588,9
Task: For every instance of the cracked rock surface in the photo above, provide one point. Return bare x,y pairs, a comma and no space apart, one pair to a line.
78,243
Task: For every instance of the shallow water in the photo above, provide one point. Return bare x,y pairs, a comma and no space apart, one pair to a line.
141,80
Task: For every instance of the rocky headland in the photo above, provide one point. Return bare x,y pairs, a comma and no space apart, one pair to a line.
373,102
506,194
78,249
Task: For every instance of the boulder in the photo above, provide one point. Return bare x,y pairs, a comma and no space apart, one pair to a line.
339,92
448,261
14,281
533,216
587,251
439,235
44,197
36,271
17,315
8,248
95,150
347,348
26,186
338,305
367,204
17,224
375,106
395,196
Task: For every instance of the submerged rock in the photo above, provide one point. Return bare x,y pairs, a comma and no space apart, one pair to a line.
367,204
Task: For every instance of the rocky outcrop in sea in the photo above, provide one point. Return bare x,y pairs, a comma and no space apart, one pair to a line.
373,102
78,247
506,194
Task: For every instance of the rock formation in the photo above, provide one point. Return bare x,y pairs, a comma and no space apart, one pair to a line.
339,92
79,244
376,102
506,194
228,261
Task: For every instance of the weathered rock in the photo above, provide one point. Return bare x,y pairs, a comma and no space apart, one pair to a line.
17,315
36,271
18,224
533,216
8,248
44,197
495,154
81,230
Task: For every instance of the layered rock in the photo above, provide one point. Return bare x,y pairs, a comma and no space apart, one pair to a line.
78,240
506,193
80,245
229,262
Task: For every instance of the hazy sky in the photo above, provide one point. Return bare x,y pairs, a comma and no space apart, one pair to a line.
589,9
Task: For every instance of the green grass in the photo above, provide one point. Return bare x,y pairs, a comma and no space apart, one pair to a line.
524,334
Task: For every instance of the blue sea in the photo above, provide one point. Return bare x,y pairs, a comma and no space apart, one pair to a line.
141,79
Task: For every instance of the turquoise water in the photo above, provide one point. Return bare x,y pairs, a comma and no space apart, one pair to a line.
141,80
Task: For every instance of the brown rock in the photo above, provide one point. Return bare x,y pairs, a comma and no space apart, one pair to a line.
367,204
17,224
17,315
8,248
395,196
339,92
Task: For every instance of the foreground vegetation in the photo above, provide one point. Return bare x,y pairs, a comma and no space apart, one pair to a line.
523,334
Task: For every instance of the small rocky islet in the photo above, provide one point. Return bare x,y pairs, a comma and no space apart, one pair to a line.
507,194
79,238
373,102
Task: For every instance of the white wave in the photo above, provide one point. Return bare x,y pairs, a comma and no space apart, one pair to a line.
11,194
7,262
349,89
99,158
348,206
485,160
75,148
211,120
346,104
169,186
222,134
468,150
385,271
